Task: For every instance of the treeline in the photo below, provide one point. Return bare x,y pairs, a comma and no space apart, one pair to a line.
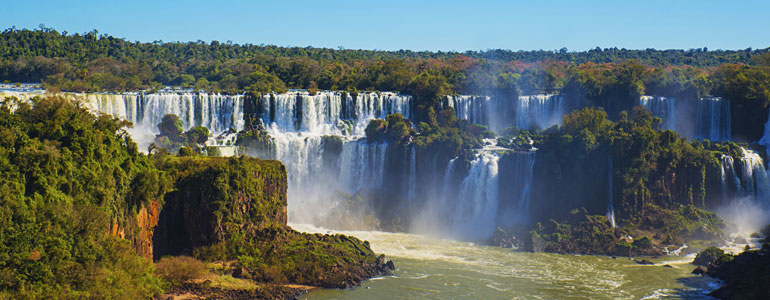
608,78
99,62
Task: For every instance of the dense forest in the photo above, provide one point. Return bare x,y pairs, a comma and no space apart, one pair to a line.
100,62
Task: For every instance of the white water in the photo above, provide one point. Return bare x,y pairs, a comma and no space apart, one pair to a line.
765,140
539,111
475,109
219,113
323,114
713,119
476,209
533,111
363,165
297,122
745,194
754,176
610,207
730,178
663,108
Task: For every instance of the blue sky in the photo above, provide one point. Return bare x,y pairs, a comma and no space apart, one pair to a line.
416,25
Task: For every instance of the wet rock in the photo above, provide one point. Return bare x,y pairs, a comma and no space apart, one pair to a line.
644,262
699,271
390,265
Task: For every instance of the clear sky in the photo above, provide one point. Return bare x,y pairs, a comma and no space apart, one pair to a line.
413,24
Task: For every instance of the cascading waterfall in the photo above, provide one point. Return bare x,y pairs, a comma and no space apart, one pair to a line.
471,108
216,112
713,119
610,207
745,192
362,165
219,113
327,113
533,111
754,179
729,177
476,209
661,107
541,111
516,176
765,140
297,121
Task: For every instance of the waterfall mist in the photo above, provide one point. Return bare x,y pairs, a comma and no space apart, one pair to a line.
745,215
745,193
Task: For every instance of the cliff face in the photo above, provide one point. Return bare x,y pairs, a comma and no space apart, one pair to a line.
146,221
141,228
234,209
217,198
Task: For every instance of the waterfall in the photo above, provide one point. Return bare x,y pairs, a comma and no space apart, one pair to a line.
328,113
749,207
661,107
516,176
411,185
448,187
362,165
754,179
471,108
539,111
298,121
713,119
476,209
216,112
765,140
729,177
534,111
527,165
610,207
219,113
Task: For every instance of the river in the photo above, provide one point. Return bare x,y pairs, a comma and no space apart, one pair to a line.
433,268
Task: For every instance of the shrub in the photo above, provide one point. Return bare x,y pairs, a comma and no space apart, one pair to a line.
179,269
643,243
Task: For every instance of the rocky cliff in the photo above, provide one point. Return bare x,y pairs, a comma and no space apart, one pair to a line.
234,209
215,199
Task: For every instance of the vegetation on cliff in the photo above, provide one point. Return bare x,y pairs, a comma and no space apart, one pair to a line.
71,185
656,232
80,204
234,209
646,165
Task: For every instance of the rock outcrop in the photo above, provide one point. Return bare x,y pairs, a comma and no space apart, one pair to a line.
217,198
234,209
745,275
